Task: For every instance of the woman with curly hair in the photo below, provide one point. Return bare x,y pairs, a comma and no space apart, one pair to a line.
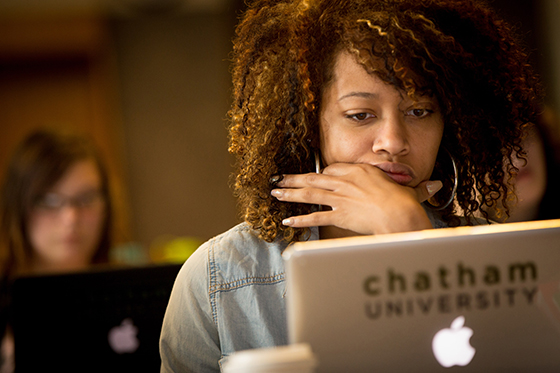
349,117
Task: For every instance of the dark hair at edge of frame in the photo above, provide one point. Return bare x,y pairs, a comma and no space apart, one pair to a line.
457,51
36,165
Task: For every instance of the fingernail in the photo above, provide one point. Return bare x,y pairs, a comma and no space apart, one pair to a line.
433,186
276,180
276,192
287,222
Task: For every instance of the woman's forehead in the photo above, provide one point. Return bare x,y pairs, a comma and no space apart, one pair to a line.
80,174
347,63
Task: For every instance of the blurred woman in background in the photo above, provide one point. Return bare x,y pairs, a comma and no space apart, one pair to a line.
536,183
55,213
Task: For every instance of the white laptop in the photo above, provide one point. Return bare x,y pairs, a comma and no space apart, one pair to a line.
468,299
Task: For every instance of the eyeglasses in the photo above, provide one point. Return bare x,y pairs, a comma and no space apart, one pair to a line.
55,202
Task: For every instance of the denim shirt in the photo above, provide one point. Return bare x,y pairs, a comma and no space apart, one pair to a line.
228,296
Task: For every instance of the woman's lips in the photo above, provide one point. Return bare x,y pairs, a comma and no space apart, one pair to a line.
400,173
71,240
524,173
401,179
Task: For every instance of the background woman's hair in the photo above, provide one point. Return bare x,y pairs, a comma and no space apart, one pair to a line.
39,161
458,51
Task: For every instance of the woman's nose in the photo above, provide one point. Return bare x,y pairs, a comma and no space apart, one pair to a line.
69,213
391,137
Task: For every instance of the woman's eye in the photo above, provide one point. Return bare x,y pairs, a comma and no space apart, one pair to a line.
360,116
419,113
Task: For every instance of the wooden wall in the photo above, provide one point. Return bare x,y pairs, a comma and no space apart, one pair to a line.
61,72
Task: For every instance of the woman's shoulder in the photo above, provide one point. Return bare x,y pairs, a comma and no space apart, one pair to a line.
239,255
240,242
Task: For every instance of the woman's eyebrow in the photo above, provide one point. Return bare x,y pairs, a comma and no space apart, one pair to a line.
368,95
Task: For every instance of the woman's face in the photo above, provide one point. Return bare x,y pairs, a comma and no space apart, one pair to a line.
65,225
364,120
530,183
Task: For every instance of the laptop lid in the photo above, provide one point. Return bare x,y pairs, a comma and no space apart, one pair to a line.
483,298
104,320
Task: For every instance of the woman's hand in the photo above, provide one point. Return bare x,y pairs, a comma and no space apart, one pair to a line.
362,199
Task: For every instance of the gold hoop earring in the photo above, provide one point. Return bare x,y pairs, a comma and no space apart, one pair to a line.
453,191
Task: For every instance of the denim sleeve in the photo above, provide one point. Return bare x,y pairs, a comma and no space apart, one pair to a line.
189,339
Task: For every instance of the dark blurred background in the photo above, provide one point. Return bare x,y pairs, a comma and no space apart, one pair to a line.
149,81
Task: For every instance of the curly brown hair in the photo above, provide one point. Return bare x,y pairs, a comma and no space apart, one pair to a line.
458,51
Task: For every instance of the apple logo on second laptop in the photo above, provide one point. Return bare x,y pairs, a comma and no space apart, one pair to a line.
123,339
451,346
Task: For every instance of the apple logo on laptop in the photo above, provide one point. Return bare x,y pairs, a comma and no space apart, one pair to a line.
451,346
123,339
